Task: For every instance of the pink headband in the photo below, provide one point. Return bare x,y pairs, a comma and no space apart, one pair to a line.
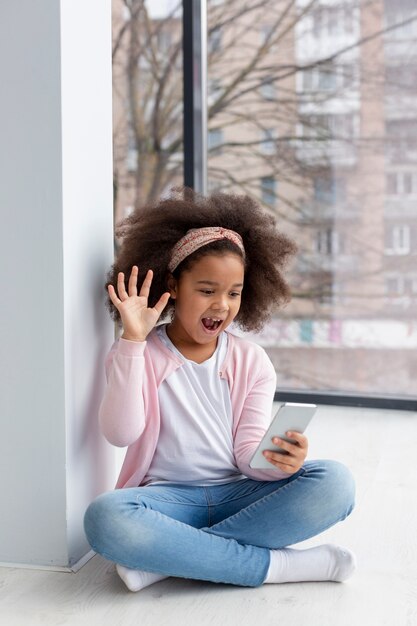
198,237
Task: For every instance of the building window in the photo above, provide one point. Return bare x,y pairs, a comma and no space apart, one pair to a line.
402,183
265,33
320,78
329,241
398,18
267,145
329,190
332,21
215,140
269,190
268,89
215,40
397,240
401,290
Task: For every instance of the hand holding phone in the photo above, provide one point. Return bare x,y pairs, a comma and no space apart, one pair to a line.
291,416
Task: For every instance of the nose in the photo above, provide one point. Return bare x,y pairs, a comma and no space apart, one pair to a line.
220,303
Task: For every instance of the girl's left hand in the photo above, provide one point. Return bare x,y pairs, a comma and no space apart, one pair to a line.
293,461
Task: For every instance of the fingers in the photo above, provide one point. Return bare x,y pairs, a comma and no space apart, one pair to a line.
285,462
293,455
119,296
132,286
162,302
112,295
133,281
301,442
121,289
146,285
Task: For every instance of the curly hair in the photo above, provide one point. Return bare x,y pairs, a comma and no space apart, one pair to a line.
148,235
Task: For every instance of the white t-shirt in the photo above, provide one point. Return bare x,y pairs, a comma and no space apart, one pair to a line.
195,444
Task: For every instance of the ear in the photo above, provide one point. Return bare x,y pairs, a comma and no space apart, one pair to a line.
172,286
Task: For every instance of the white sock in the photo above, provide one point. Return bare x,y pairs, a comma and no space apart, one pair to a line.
325,562
136,579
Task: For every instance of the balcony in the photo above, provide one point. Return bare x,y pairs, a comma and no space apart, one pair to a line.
313,263
326,152
400,151
314,213
401,207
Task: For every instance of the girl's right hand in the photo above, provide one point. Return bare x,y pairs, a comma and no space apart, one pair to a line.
137,319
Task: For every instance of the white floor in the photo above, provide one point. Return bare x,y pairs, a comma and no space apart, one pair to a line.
379,447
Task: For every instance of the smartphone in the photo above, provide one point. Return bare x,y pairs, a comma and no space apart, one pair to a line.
290,416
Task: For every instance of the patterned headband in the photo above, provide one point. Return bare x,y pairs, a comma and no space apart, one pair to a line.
198,237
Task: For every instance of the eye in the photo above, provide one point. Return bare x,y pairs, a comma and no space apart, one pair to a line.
235,294
207,292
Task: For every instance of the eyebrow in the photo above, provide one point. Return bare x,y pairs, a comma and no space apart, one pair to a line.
212,282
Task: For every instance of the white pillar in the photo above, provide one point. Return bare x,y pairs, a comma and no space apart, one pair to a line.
57,241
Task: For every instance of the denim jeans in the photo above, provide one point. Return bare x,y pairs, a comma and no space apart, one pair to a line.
221,533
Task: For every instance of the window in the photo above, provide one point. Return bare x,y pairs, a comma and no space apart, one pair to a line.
267,145
139,173
266,33
214,90
329,190
397,240
215,140
214,86
268,89
399,18
401,78
403,183
329,242
268,190
215,41
323,77
331,21
401,290
326,139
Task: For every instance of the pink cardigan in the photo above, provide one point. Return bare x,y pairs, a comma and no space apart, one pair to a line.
129,412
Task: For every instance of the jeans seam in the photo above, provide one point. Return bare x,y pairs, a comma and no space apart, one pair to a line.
168,501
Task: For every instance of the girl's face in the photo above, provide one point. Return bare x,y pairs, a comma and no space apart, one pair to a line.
207,299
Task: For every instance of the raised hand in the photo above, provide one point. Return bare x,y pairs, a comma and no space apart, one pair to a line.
137,318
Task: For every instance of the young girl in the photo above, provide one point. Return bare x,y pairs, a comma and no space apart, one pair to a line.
192,400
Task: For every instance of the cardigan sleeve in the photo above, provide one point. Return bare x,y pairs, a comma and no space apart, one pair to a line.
121,412
254,421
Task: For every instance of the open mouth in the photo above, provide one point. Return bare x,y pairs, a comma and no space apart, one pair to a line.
211,323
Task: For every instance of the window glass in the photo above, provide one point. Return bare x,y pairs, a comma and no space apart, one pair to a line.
147,101
322,97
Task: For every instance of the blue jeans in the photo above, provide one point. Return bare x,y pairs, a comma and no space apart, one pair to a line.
220,533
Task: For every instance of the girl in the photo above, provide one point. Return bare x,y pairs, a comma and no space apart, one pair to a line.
191,400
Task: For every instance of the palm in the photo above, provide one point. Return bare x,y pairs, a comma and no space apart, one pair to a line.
137,318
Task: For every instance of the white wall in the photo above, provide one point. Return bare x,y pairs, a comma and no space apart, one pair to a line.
56,217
